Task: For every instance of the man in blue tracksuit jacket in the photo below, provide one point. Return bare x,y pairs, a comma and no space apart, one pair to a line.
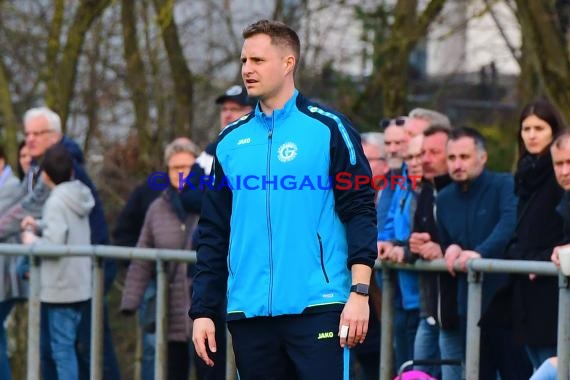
285,228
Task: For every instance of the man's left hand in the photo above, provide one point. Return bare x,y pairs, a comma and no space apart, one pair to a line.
354,315
396,254
465,256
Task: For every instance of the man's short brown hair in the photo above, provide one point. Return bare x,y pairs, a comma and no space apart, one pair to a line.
279,32
562,140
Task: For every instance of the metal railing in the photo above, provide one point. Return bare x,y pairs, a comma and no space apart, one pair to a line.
97,253
476,269
475,277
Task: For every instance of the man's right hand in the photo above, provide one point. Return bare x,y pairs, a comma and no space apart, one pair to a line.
204,330
430,251
417,239
384,247
555,257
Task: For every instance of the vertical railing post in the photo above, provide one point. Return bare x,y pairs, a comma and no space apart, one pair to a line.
96,363
161,354
563,327
386,349
34,318
475,281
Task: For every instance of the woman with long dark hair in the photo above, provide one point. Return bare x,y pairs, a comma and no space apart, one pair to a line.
539,229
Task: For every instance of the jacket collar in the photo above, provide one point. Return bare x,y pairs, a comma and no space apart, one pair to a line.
473,185
278,114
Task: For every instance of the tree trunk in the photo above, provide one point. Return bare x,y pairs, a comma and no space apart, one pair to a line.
10,124
388,83
136,78
61,73
541,29
181,74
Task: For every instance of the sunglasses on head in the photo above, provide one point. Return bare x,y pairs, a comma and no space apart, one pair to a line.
399,121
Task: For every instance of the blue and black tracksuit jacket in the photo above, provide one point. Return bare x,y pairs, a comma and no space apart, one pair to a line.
280,227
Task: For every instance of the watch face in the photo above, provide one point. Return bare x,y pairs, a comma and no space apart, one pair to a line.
360,289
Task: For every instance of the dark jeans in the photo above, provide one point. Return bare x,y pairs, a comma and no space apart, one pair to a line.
405,327
62,323
5,309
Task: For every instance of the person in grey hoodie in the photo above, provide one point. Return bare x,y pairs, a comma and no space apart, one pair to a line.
65,281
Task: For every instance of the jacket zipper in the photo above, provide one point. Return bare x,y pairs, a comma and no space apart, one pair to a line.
322,258
267,205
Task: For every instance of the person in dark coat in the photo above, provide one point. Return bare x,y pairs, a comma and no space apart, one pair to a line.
560,151
539,229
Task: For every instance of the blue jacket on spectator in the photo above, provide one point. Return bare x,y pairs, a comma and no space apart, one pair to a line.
385,198
398,227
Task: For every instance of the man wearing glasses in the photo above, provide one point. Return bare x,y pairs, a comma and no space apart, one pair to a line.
42,128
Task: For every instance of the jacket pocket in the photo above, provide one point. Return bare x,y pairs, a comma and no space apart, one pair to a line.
322,258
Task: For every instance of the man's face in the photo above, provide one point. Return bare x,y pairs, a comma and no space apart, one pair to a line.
264,66
464,161
377,162
434,159
561,162
415,126
231,111
413,157
39,136
395,142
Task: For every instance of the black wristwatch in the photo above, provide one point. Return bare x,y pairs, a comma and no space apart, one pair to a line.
361,289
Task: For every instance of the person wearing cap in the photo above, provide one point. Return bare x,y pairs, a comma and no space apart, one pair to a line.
234,103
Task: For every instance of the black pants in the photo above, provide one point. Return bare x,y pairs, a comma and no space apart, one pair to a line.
178,367
303,347
500,354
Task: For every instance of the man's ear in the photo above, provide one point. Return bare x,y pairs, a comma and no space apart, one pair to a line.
483,156
290,63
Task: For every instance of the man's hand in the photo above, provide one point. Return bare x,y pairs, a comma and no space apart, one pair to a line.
451,255
28,223
466,256
430,251
555,257
396,254
417,239
384,248
354,317
28,237
204,330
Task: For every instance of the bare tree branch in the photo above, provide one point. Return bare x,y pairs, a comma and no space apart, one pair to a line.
514,52
548,48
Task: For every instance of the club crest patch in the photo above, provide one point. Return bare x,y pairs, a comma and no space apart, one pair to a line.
287,152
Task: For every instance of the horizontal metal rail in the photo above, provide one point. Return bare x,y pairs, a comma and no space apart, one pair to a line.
98,252
475,270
